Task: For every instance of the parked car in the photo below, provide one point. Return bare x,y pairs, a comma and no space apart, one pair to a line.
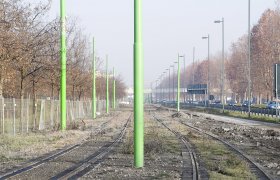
273,105
245,104
231,103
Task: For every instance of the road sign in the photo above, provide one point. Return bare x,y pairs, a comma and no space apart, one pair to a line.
197,89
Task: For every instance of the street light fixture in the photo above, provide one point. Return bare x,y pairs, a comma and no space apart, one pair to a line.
208,81
223,60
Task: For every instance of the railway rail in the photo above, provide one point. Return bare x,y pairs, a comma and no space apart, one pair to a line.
187,150
255,168
100,154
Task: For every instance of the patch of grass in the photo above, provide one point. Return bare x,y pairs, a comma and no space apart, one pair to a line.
221,163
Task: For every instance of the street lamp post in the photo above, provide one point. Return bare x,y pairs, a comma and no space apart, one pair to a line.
63,66
208,81
193,71
249,58
185,79
178,85
223,60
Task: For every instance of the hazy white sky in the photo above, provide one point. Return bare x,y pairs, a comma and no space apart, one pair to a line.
170,27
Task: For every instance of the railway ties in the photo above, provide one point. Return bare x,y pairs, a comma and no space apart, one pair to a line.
190,164
73,162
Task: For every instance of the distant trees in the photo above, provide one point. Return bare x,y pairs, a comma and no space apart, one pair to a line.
265,52
30,54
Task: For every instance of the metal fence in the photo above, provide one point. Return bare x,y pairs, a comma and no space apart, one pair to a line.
19,116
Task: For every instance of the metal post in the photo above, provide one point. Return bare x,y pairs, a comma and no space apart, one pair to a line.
249,58
178,85
114,90
208,84
107,86
93,84
193,71
63,67
223,63
138,87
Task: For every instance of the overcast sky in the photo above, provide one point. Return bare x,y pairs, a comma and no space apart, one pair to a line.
169,26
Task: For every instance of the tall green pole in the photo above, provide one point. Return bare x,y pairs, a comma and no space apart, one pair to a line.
63,67
114,90
93,85
138,87
178,87
107,86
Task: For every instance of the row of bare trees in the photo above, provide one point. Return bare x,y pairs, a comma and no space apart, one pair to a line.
30,55
265,52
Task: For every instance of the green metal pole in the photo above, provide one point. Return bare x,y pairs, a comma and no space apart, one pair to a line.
93,85
178,87
63,67
114,90
138,87
107,86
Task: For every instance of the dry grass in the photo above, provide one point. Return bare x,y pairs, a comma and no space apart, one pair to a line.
220,162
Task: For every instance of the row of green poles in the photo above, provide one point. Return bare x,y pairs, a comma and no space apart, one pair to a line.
93,84
138,87
138,81
63,67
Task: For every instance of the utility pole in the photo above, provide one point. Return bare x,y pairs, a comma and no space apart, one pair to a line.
107,86
138,87
93,84
63,67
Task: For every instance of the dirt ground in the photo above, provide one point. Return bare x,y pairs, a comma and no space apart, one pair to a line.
163,151
19,150
162,157
260,142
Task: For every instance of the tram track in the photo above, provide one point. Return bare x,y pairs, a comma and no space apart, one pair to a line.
255,168
37,162
190,169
